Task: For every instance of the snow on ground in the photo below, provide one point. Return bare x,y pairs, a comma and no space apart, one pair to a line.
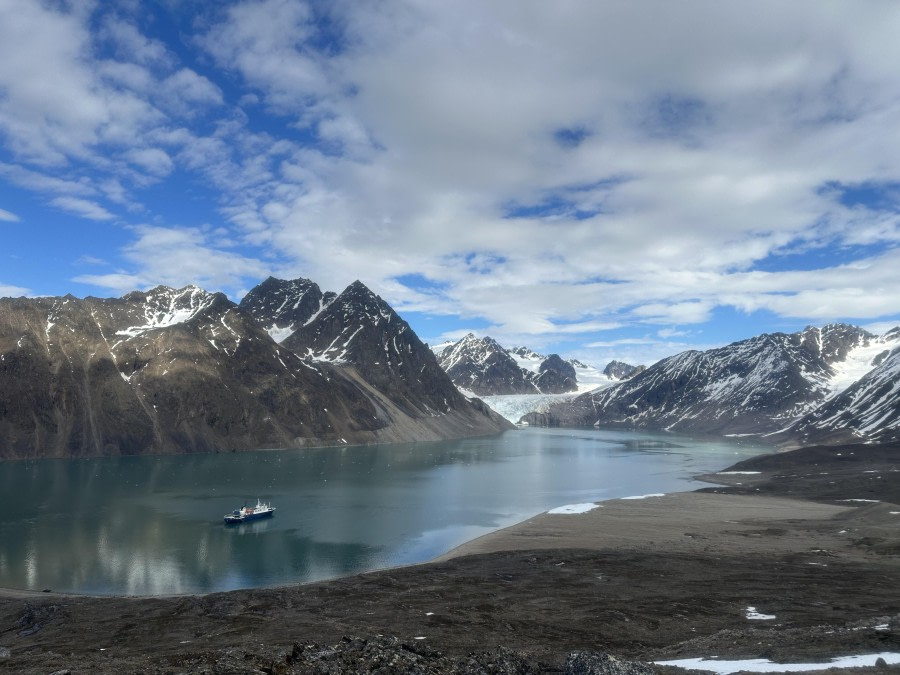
573,508
589,378
655,494
766,666
753,615
533,363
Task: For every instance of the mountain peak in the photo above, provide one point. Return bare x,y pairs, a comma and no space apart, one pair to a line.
282,306
482,366
761,385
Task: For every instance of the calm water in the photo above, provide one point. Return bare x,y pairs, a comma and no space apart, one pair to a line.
153,525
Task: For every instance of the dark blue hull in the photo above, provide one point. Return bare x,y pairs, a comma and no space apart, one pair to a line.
232,519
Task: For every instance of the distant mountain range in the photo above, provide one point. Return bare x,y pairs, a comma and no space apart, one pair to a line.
484,368
185,370
833,384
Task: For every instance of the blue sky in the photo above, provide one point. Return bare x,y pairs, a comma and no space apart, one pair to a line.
606,180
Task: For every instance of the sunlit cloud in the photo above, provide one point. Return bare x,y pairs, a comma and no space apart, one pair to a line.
543,173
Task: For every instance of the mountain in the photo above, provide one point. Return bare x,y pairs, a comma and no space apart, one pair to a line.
283,306
556,376
761,385
482,366
361,333
617,370
168,371
869,409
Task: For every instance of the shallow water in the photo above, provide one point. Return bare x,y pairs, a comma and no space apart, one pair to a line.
153,525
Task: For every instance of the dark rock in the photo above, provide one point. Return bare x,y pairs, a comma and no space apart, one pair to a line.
556,376
617,370
283,306
171,371
360,331
390,655
593,663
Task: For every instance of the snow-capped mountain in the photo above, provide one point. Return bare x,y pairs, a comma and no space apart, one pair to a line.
360,330
483,367
282,306
189,371
617,370
865,407
761,385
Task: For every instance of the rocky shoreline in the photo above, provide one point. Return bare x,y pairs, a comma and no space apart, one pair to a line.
809,539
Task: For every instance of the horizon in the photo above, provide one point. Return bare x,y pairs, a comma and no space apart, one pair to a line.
603,181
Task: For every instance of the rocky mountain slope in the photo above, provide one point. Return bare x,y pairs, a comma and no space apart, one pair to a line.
283,306
359,332
617,370
867,409
482,366
190,371
835,382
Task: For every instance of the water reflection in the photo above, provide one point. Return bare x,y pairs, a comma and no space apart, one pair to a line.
153,525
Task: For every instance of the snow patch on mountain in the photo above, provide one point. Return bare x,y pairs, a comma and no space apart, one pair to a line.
591,378
279,334
861,360
167,307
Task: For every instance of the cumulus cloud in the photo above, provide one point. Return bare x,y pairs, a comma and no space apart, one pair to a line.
543,169
177,257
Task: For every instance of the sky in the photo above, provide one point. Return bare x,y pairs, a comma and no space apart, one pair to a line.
623,179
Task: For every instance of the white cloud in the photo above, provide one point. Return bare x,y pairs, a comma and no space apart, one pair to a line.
9,291
549,169
264,41
132,45
152,160
9,216
178,257
82,207
185,91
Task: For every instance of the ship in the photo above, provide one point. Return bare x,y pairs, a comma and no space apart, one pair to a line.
247,513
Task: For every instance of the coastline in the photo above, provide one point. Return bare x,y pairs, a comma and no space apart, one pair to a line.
650,579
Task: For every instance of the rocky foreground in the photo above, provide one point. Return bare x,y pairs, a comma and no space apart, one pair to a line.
810,539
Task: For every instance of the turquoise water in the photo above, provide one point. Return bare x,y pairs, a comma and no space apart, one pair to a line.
153,525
